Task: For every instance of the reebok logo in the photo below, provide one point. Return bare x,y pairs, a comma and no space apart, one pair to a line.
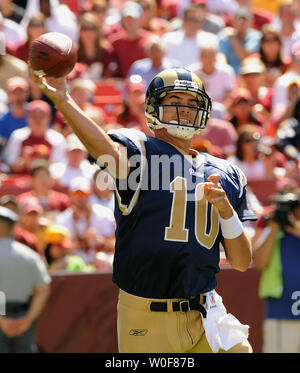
138,332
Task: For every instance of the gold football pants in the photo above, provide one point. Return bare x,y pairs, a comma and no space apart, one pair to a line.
145,331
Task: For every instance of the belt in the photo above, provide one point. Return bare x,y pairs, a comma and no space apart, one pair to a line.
181,306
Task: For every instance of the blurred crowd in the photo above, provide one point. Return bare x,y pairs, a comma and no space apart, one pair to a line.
246,52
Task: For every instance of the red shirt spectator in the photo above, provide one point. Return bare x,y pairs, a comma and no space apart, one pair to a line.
36,27
129,44
28,225
20,147
126,51
53,201
26,238
46,198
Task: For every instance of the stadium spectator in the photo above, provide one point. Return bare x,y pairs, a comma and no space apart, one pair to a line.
36,27
92,226
221,134
58,245
20,233
99,9
17,89
29,223
241,40
11,10
94,50
184,44
14,33
209,22
277,255
82,92
260,16
271,55
150,21
25,283
252,74
59,17
132,115
59,253
293,97
103,190
241,110
280,100
30,209
10,66
51,201
76,165
254,164
285,23
218,77
129,43
155,61
36,140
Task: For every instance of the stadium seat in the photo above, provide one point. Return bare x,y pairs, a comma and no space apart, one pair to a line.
109,97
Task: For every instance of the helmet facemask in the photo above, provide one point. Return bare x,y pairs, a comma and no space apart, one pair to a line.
180,127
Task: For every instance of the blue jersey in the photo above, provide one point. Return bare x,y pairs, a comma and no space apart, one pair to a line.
168,235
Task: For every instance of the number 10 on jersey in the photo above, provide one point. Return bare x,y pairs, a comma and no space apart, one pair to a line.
206,225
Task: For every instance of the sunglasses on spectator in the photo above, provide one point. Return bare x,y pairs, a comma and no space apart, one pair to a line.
99,9
270,39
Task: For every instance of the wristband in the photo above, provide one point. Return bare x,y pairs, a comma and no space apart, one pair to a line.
232,227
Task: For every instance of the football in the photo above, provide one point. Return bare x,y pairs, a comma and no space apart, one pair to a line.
53,54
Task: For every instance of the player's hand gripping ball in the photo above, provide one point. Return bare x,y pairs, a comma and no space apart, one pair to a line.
53,54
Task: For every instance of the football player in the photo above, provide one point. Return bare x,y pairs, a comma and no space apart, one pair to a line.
174,206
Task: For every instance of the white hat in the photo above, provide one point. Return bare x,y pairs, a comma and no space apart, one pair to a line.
80,183
6,213
131,9
73,143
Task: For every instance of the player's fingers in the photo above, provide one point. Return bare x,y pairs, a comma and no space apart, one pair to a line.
36,78
214,191
213,194
214,178
212,185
